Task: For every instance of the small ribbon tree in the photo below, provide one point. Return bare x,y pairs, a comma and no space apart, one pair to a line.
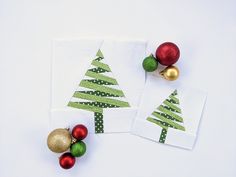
168,115
98,91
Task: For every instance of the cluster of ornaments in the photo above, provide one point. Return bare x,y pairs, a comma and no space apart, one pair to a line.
167,54
70,144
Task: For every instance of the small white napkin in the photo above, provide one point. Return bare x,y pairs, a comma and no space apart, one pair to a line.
79,96
169,113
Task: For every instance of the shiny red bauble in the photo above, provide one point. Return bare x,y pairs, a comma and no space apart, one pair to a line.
66,160
167,53
79,132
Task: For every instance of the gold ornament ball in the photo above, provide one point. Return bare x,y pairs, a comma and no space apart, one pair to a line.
59,140
170,73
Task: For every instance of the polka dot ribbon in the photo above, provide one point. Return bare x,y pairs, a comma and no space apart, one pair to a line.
98,91
168,115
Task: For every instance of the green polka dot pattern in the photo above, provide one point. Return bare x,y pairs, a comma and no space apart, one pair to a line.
163,135
97,70
167,115
96,93
98,122
99,82
104,94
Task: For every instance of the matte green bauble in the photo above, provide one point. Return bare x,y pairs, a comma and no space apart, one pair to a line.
78,149
150,63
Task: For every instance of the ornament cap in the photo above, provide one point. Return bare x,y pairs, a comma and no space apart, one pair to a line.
151,55
73,140
162,73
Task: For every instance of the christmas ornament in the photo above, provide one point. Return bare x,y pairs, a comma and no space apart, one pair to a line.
170,73
59,140
66,160
167,53
78,149
79,132
150,63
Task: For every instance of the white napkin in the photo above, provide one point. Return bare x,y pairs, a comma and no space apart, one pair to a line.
70,64
152,121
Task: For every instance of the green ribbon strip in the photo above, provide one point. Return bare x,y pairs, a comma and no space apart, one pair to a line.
85,107
101,77
172,106
101,88
101,65
101,99
158,122
166,111
176,100
170,122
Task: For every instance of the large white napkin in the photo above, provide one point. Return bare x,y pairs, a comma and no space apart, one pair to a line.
169,113
97,83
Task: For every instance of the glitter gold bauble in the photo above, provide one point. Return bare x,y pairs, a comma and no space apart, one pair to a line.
59,140
170,73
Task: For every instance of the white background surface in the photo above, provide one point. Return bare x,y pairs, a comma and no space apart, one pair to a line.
206,34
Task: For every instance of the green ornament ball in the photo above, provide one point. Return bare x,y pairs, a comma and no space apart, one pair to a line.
78,149
150,63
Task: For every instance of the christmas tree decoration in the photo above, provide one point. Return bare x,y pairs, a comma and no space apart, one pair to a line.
167,53
98,91
78,149
67,160
170,73
59,140
150,63
79,132
168,115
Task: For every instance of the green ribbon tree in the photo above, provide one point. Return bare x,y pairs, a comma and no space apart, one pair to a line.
168,115
97,92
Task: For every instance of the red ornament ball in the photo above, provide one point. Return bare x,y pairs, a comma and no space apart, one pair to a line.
79,132
66,160
167,53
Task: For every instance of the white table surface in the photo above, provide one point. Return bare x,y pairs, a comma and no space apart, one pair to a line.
206,32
